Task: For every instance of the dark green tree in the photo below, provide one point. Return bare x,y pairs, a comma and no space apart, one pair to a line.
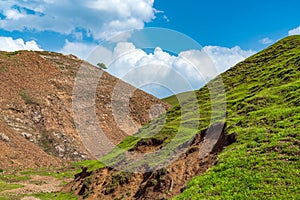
102,65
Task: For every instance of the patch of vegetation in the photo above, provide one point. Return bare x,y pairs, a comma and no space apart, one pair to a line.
26,97
117,178
10,54
8,186
67,172
42,196
176,99
55,196
13,177
102,65
10,181
92,165
263,95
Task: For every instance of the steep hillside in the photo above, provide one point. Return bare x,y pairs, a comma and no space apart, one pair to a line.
37,128
263,109
261,127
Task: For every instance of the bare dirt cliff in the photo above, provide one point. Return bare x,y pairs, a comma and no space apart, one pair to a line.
37,127
108,183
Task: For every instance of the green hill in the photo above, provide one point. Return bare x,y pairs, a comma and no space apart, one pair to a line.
263,111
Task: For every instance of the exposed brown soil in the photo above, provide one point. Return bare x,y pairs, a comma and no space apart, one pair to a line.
37,127
164,183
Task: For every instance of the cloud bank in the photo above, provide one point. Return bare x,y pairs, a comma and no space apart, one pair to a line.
295,31
266,41
99,18
81,50
224,57
188,70
9,44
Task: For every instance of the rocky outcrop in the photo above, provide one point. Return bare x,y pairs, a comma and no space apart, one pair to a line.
4,137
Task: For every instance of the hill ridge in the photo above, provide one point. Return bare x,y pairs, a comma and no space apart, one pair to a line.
263,109
36,91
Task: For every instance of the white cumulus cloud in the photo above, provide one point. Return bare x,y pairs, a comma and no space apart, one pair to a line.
9,44
224,57
266,41
81,50
13,14
295,31
100,18
188,70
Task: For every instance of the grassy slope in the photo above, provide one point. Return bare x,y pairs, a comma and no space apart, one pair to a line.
263,109
173,100
9,181
4,186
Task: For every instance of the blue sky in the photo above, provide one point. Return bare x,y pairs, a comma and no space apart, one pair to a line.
229,31
230,22
216,22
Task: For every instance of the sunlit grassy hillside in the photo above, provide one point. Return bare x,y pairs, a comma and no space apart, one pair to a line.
262,108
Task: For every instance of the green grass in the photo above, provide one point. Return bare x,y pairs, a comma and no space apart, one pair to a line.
176,99
55,196
9,54
263,109
90,164
7,186
45,172
42,196
26,174
13,178
10,181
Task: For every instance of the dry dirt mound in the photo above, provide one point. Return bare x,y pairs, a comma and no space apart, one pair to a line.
164,183
37,127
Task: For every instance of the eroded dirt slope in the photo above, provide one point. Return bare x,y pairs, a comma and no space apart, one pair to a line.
36,120
107,183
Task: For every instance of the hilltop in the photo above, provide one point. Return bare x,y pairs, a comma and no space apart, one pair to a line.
256,156
37,128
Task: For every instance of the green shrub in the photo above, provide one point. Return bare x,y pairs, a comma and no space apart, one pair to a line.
102,65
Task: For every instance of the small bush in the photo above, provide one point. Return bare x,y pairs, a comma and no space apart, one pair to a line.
102,65
9,54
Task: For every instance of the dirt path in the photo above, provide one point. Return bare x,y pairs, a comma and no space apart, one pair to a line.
36,184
